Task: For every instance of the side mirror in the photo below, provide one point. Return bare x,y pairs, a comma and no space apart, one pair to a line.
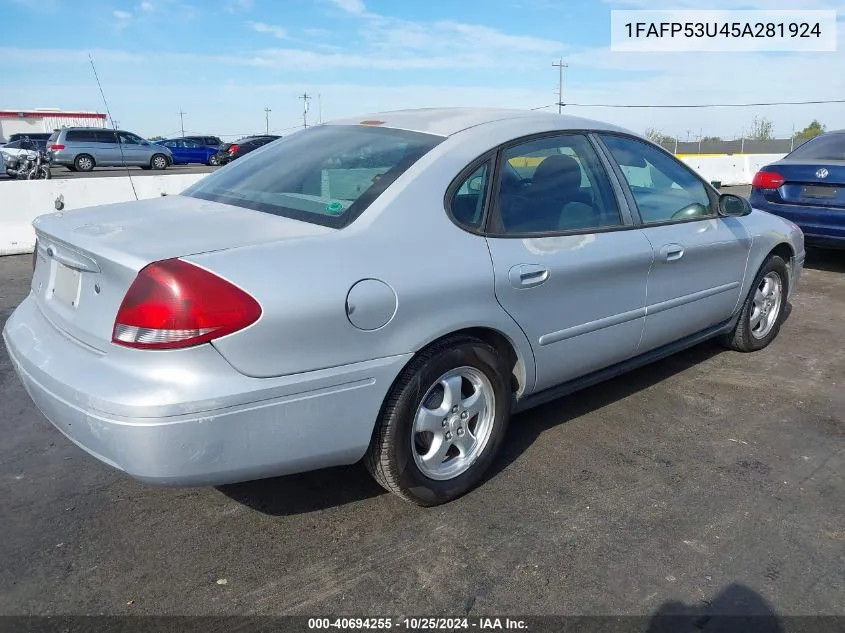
733,206
475,184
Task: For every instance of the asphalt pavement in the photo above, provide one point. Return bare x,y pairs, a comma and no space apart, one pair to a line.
707,482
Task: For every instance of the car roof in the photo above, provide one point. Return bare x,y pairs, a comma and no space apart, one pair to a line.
449,121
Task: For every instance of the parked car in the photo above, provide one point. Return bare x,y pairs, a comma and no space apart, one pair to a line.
35,136
386,288
230,152
23,145
186,151
208,141
82,149
807,186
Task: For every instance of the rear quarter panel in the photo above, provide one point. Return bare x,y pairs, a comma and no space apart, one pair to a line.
441,276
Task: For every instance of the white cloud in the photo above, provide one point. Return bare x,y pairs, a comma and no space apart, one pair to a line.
234,6
350,6
122,15
262,27
146,6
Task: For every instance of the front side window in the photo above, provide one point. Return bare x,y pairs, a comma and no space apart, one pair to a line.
326,174
664,189
554,184
105,136
128,138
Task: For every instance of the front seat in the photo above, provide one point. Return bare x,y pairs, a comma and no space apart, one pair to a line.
553,201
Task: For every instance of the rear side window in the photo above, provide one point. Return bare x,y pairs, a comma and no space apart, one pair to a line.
81,136
828,147
325,175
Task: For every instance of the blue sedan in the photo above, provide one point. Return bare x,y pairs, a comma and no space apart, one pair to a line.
808,188
186,151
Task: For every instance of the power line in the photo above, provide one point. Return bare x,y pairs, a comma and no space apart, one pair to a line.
698,105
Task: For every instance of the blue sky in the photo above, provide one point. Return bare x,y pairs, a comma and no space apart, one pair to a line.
223,61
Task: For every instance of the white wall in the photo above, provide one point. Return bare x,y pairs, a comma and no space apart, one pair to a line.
22,201
730,169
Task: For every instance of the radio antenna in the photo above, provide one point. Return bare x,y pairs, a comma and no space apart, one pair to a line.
119,143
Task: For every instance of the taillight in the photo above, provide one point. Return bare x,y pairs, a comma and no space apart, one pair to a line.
767,180
54,147
174,304
234,148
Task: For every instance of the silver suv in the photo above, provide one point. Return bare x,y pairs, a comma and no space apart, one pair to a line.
83,148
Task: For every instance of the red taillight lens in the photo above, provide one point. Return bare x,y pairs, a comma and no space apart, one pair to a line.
234,148
174,304
767,180
54,147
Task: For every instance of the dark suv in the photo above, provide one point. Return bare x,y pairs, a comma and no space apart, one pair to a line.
207,141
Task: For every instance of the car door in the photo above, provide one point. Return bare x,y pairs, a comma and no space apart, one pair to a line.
569,265
105,148
193,151
135,152
699,256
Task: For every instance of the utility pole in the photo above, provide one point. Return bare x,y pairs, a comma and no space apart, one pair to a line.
267,112
560,66
319,108
182,121
305,99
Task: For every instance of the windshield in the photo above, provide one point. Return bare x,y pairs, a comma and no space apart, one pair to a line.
325,175
827,147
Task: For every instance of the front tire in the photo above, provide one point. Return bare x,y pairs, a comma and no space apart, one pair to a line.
442,423
213,161
764,309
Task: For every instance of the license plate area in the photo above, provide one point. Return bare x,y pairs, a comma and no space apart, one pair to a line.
819,191
66,285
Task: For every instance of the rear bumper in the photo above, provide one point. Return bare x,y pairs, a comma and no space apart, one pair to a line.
821,225
189,418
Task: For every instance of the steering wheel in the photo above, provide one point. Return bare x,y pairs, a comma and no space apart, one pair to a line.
690,211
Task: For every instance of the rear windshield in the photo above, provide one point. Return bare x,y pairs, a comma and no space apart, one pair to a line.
326,175
828,147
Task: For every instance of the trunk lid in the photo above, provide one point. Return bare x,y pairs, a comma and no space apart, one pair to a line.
87,258
811,183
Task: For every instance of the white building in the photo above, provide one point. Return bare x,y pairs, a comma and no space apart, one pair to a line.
43,120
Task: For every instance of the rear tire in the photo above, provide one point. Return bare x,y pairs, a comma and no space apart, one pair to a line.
459,389
213,161
763,311
159,161
84,162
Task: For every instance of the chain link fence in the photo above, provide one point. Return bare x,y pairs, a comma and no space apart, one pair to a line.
738,146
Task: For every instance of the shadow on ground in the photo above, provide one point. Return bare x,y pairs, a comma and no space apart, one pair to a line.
825,259
323,489
736,609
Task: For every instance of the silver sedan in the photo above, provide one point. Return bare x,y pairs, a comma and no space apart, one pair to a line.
388,288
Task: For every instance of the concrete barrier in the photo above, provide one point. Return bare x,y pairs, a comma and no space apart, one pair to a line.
22,201
729,169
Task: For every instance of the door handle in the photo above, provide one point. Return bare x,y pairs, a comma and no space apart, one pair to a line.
528,275
672,252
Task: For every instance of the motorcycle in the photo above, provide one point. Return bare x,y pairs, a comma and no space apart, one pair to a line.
33,165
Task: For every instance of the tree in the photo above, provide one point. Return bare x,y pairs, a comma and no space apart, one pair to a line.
156,138
761,130
711,139
811,131
656,136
